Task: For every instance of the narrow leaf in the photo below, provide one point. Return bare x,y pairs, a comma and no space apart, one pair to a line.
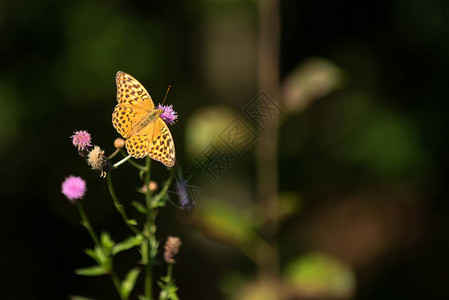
127,244
131,222
106,242
92,254
91,271
140,208
129,281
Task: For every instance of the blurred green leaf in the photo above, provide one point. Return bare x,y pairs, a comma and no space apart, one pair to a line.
205,126
127,244
91,271
225,222
313,79
106,242
140,208
97,254
322,275
131,222
92,254
129,282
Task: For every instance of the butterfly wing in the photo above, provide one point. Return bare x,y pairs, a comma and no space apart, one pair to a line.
154,140
134,104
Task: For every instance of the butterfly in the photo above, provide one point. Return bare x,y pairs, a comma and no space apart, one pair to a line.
137,120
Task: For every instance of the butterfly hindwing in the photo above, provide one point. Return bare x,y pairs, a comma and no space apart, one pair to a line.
162,147
154,140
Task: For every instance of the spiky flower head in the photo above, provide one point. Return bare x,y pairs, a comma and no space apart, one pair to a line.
73,188
82,140
171,248
168,114
97,161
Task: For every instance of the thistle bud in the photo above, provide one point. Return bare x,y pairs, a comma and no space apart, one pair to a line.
171,249
119,143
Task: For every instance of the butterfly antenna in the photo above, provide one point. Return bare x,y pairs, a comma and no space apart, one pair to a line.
166,93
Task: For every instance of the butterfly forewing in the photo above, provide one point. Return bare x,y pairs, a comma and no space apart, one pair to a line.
134,104
128,89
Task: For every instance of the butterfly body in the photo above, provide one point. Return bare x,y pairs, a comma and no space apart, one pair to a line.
140,123
151,117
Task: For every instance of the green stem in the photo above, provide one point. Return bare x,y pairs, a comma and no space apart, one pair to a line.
119,206
164,189
150,229
113,154
169,271
93,235
122,161
86,223
132,162
116,282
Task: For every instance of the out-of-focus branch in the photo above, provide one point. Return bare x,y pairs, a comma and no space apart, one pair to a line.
266,152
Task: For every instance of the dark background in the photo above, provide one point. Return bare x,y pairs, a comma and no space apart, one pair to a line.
364,166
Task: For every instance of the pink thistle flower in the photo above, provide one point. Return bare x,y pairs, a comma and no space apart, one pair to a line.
168,114
73,188
81,139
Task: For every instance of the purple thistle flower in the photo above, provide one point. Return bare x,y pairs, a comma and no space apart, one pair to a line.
81,139
73,188
168,114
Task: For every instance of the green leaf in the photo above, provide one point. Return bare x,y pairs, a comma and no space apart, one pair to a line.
227,223
168,292
91,271
142,297
140,208
322,275
92,254
127,244
129,282
172,293
106,242
97,254
131,222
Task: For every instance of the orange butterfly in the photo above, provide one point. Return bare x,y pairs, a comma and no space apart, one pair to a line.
140,123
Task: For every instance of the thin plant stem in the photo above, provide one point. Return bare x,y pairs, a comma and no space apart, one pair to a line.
113,154
133,163
86,223
122,161
116,282
164,189
119,206
170,271
150,231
